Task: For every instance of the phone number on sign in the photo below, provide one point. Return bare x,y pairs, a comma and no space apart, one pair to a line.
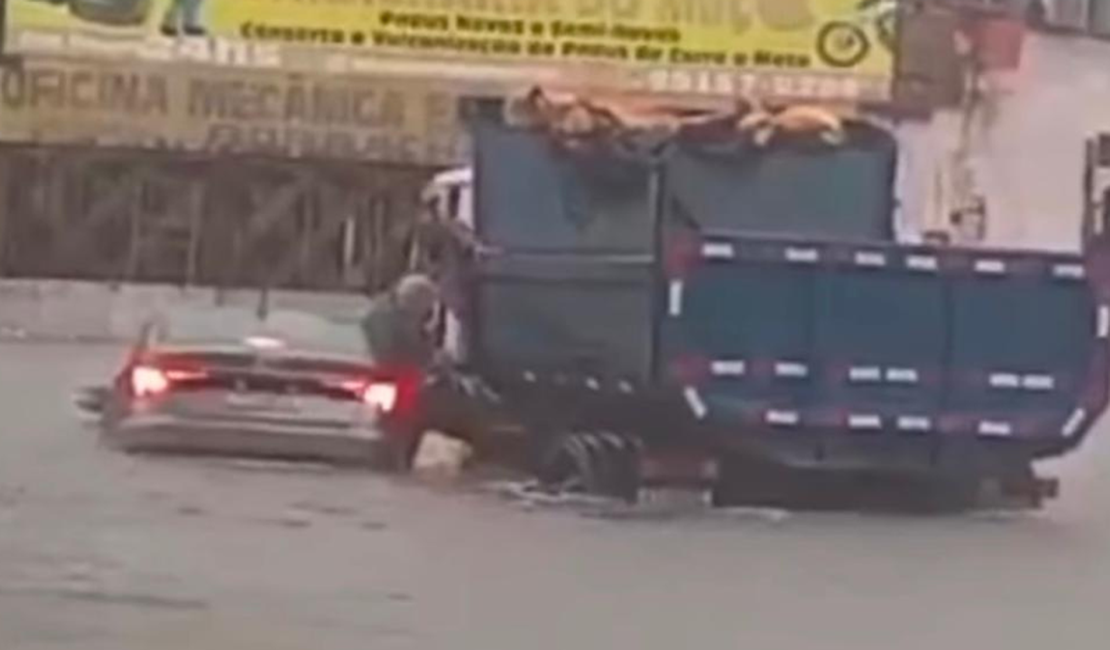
784,85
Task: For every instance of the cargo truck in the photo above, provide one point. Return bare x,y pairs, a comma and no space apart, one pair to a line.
714,312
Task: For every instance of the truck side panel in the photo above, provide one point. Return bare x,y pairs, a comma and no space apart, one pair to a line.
583,317
916,342
534,196
1021,350
567,285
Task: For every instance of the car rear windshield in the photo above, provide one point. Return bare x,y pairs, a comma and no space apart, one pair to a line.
232,326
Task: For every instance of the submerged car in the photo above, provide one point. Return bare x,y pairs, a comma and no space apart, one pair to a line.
287,386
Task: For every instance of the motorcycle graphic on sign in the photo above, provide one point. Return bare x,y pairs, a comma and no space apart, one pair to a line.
845,43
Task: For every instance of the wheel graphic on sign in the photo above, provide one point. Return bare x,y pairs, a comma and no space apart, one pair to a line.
842,44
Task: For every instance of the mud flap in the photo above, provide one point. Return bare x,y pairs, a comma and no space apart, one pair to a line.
1020,493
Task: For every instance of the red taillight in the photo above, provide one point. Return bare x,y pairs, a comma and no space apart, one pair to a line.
387,395
147,381
381,395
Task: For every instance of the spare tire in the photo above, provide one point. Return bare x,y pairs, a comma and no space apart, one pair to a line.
117,13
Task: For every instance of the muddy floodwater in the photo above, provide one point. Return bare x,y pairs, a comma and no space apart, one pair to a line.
101,551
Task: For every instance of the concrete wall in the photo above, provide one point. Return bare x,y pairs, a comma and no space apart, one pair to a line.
53,310
1027,155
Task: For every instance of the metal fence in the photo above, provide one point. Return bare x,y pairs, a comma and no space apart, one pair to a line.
131,216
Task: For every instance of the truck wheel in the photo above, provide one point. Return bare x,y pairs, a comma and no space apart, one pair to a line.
623,465
596,464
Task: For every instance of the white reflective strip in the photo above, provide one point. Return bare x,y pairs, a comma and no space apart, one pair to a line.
593,384
865,373
788,418
865,258
791,369
674,297
1074,271
695,402
991,428
804,255
1071,427
624,387
1038,382
865,421
530,377
922,262
1103,321
901,375
728,368
718,251
1005,380
914,423
990,266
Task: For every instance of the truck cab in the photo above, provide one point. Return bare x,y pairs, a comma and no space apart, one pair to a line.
450,194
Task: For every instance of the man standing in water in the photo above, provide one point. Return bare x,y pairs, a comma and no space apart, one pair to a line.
399,335
398,323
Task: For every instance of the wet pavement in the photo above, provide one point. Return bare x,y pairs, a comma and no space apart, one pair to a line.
102,551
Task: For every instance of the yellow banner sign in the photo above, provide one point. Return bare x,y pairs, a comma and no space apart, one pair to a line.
199,109
839,49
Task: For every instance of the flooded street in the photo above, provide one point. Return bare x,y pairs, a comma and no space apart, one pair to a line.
101,551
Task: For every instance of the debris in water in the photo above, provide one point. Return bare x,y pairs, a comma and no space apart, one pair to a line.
772,515
326,509
292,519
441,457
190,510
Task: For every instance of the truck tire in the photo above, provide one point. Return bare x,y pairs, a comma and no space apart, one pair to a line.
623,458
595,464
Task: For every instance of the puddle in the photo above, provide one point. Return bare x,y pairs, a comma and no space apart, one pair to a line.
660,505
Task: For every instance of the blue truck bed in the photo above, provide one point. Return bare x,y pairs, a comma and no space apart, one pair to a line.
733,298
